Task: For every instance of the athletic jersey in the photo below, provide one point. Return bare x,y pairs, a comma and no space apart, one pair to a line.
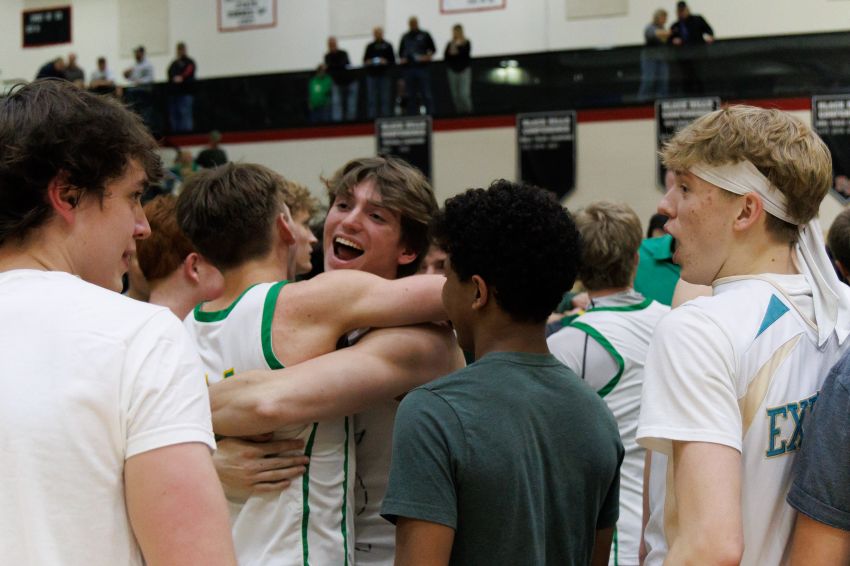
621,326
310,522
740,369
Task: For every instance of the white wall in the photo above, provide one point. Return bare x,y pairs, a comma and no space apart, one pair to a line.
616,161
298,41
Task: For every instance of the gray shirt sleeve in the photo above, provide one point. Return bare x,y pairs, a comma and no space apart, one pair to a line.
821,487
425,461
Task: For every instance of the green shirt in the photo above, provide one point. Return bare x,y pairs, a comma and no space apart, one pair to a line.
657,275
320,91
515,453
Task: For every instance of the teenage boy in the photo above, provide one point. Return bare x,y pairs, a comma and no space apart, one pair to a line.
105,419
236,215
512,460
730,378
606,346
378,223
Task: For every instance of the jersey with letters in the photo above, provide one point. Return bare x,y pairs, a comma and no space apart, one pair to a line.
310,522
742,369
621,326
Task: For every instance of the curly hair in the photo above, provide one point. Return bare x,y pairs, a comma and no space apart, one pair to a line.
50,127
518,238
403,189
610,238
786,151
228,212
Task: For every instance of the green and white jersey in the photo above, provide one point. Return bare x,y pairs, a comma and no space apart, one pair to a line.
607,346
311,522
741,369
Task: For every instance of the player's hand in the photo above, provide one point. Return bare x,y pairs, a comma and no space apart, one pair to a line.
245,466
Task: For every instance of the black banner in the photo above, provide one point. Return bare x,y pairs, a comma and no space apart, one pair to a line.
49,26
831,120
672,115
408,138
546,150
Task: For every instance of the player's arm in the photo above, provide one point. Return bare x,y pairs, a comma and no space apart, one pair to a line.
602,547
382,365
176,507
245,467
348,299
818,544
708,504
647,464
422,543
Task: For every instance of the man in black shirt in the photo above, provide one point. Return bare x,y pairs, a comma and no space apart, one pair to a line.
181,99
691,30
415,52
344,90
378,59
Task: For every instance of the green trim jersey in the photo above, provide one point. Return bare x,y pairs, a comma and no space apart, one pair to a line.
310,522
607,346
740,369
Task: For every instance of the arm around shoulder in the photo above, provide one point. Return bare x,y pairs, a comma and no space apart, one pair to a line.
177,508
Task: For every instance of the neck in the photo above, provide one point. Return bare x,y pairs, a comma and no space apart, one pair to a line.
37,252
763,256
599,293
508,335
178,296
238,279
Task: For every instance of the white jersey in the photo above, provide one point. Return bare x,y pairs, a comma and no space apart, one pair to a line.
90,379
311,522
741,369
619,328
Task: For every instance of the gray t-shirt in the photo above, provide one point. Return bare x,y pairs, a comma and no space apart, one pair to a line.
822,476
515,453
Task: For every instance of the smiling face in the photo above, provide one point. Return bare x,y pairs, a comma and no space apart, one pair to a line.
701,220
360,233
105,232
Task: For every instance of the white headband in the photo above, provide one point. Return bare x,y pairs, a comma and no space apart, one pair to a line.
831,297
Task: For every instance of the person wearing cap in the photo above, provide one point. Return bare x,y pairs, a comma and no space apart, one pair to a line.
730,378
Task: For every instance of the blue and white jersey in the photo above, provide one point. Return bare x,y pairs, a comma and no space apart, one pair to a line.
741,369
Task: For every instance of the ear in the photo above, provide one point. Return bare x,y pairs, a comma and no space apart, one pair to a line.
482,293
751,211
63,197
284,230
191,268
407,255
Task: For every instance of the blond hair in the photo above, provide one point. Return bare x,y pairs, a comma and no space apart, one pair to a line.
786,151
610,237
299,199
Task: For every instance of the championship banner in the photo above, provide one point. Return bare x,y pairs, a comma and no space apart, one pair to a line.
831,120
674,114
546,150
408,138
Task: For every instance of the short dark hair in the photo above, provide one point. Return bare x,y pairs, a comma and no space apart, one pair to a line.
518,238
838,238
166,248
681,5
403,189
228,212
50,127
656,222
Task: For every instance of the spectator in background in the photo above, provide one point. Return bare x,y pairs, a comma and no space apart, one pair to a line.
415,53
212,155
73,72
690,30
378,58
434,262
54,69
656,226
140,96
184,166
181,76
102,79
458,70
319,95
344,88
654,70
